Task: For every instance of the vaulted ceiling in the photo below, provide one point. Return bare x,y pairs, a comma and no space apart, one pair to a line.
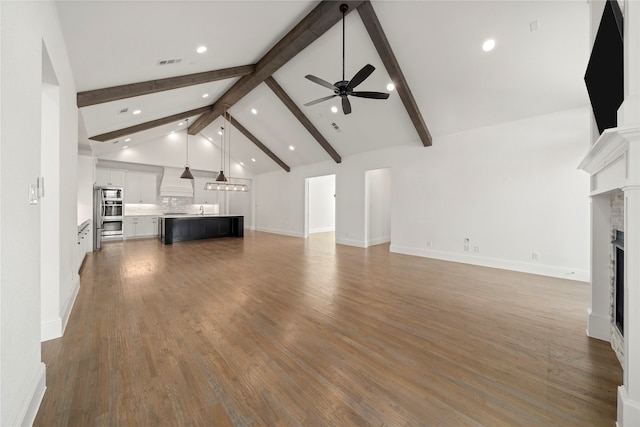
450,85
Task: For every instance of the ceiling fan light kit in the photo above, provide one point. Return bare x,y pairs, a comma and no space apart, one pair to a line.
344,88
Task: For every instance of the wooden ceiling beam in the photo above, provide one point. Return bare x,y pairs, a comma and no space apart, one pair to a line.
149,125
257,142
99,96
315,24
374,28
304,121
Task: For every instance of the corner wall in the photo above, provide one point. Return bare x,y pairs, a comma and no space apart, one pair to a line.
513,189
24,28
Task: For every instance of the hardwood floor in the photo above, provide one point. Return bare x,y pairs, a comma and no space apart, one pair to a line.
272,330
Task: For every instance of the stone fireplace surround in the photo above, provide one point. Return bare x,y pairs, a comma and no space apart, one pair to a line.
614,165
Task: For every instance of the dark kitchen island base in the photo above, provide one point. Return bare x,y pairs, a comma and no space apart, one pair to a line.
195,227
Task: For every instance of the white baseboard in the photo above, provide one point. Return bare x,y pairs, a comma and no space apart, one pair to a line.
379,240
628,410
53,329
524,267
322,230
28,410
350,242
68,305
283,232
598,326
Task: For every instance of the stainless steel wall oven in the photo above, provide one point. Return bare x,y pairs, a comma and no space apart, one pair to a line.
108,211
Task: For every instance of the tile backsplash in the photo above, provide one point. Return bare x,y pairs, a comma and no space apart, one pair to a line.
170,205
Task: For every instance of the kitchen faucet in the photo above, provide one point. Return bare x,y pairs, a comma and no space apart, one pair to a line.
201,210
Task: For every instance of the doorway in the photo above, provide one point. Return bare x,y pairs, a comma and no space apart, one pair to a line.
320,205
377,214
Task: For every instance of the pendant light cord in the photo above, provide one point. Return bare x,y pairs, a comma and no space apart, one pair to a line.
187,143
229,156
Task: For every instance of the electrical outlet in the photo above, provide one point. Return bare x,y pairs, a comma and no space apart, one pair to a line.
428,243
535,256
476,249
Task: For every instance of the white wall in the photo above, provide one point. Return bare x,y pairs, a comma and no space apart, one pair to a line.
25,27
322,204
169,151
512,189
378,206
85,186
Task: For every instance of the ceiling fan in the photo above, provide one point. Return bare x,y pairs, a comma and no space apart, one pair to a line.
344,88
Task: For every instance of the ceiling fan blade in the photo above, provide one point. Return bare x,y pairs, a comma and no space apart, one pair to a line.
321,82
319,100
361,76
371,95
346,105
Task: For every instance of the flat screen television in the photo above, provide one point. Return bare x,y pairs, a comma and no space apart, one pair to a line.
604,77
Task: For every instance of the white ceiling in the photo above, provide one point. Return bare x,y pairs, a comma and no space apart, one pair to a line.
456,85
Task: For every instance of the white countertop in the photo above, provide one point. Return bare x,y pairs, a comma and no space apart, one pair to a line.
206,215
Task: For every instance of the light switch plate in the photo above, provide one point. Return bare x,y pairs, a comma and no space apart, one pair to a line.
40,186
33,194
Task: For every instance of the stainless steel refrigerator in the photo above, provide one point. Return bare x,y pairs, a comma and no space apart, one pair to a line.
107,215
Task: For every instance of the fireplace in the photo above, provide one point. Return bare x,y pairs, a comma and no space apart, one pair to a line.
618,280
613,162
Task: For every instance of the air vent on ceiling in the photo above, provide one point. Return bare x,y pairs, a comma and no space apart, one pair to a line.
123,110
336,127
169,61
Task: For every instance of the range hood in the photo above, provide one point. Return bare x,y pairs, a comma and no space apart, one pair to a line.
174,186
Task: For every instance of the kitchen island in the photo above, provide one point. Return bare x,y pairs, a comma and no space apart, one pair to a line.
182,228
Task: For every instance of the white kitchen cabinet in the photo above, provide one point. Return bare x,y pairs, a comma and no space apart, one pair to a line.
202,196
140,226
110,177
84,242
140,188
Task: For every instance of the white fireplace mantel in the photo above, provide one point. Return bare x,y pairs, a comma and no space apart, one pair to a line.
614,164
614,160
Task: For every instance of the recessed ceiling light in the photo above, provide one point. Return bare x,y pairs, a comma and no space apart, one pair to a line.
126,146
291,147
136,112
391,87
210,139
254,111
127,140
201,49
206,95
488,45
241,163
253,160
334,109
220,132
180,124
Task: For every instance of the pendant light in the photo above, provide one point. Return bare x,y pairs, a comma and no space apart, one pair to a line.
221,183
187,173
221,177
